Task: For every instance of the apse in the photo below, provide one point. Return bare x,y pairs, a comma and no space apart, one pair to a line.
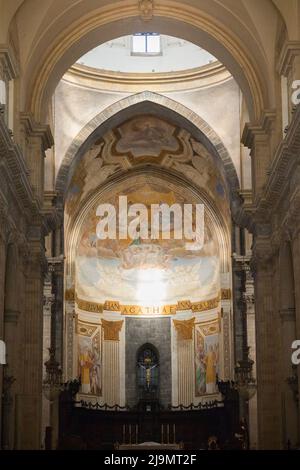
127,291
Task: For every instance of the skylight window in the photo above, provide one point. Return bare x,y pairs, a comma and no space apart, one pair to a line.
146,44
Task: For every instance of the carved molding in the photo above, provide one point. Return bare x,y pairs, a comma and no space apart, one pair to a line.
33,129
259,130
146,8
289,51
70,295
112,329
8,63
225,294
184,328
15,169
115,306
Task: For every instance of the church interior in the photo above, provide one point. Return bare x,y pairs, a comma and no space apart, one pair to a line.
143,342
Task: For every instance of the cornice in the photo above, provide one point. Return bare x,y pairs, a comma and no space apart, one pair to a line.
283,162
9,61
196,78
17,172
289,51
34,129
260,129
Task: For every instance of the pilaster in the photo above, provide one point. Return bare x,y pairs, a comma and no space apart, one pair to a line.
267,340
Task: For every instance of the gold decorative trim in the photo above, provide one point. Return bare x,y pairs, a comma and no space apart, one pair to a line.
89,306
225,294
205,305
70,294
171,309
184,305
184,328
151,310
112,305
85,329
112,329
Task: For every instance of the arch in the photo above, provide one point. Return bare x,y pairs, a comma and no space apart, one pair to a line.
217,221
214,27
145,346
154,103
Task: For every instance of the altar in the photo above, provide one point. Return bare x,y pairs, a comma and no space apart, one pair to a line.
149,446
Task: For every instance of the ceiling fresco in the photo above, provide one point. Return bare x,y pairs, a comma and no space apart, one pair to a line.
146,140
146,271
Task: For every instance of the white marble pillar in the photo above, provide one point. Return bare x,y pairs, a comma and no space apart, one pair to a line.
185,353
185,360
111,361
111,373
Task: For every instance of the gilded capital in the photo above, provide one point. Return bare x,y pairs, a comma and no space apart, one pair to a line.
112,329
184,328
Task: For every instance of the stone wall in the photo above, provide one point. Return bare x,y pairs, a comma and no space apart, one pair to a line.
156,331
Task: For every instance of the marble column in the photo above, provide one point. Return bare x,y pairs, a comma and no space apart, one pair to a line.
111,361
288,335
30,398
296,265
12,337
185,360
267,341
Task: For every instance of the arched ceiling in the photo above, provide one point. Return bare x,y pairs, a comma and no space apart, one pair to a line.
153,105
63,30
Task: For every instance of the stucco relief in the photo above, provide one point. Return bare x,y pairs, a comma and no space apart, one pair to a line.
147,140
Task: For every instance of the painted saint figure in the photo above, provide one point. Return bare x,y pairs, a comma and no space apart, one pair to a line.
85,362
211,374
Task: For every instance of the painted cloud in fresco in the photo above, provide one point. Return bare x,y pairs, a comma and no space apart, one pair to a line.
145,271
104,279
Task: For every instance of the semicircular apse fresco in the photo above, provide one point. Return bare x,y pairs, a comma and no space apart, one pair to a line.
146,271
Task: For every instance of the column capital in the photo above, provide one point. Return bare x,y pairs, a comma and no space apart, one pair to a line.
289,51
254,133
112,329
37,131
184,328
8,63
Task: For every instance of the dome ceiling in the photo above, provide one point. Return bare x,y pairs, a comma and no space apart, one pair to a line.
170,55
